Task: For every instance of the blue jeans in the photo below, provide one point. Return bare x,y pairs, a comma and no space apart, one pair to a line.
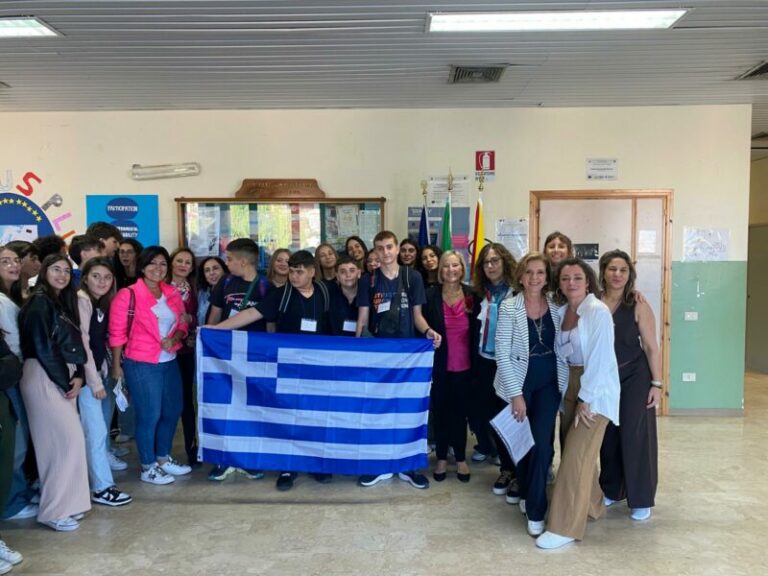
156,397
21,493
96,439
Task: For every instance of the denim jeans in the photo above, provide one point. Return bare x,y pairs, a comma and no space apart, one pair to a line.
156,397
96,439
21,493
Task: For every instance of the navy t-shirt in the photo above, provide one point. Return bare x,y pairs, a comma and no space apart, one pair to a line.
299,309
343,313
229,292
382,292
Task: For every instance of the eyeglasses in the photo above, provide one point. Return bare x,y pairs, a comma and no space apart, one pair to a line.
8,262
491,262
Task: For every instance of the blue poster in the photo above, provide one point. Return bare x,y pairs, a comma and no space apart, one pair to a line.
135,216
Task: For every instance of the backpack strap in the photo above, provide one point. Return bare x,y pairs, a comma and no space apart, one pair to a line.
287,292
326,297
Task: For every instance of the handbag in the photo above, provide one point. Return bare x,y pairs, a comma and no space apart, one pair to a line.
10,367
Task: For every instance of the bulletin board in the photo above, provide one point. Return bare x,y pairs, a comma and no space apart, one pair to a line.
207,225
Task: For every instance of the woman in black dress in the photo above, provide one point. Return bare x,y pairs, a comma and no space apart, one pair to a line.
629,453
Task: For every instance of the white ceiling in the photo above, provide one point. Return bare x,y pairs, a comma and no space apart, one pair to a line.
207,54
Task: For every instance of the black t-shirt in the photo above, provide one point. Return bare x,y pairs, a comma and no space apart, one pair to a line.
343,313
379,299
229,292
97,334
302,315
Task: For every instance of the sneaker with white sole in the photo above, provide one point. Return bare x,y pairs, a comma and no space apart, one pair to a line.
373,479
115,463
640,514
66,524
502,483
29,511
156,475
120,451
550,541
513,493
535,527
521,504
221,473
415,479
5,567
123,438
175,468
11,556
479,456
111,497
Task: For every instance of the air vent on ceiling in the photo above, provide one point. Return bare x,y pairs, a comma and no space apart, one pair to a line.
476,74
758,71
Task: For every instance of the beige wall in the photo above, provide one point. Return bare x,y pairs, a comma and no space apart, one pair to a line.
758,192
702,152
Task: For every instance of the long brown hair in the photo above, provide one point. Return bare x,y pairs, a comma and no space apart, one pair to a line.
592,285
628,297
105,300
480,280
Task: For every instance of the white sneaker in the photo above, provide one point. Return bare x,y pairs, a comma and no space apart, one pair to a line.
521,504
5,567
156,475
29,511
120,451
608,502
535,528
550,541
115,463
175,468
8,555
123,438
67,524
640,514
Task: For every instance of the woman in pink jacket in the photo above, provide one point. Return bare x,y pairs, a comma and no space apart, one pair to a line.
146,328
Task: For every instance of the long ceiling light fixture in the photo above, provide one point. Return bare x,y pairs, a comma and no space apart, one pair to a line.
553,21
25,27
139,172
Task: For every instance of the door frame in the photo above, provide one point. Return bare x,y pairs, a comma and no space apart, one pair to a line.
666,197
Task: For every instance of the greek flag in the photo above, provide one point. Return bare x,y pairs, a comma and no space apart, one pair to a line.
313,403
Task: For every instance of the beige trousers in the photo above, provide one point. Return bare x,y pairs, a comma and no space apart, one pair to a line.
577,495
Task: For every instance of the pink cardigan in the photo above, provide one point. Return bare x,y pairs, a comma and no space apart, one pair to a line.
144,343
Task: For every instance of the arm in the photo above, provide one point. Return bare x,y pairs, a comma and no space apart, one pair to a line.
92,376
505,381
646,323
422,326
118,326
363,314
214,316
242,318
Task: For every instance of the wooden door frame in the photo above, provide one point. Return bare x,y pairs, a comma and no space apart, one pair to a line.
666,197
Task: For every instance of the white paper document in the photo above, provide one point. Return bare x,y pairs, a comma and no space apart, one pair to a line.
516,435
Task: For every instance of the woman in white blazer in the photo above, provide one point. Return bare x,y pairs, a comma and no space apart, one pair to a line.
532,377
591,401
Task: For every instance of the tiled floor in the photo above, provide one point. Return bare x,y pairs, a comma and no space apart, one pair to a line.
711,518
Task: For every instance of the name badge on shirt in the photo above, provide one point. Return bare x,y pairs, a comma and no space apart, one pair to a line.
383,307
233,312
350,326
308,325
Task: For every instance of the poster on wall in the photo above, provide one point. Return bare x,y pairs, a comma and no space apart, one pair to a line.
136,216
705,244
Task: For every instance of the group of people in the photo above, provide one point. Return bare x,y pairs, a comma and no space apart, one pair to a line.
539,337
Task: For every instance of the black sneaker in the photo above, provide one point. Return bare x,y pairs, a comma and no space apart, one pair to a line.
502,483
285,481
322,478
414,479
513,493
373,479
111,497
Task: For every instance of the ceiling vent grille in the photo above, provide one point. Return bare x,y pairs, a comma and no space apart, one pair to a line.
758,71
476,74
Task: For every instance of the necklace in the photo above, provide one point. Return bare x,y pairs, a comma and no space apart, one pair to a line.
539,326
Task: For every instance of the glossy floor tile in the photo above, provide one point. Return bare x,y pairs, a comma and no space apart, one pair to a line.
711,518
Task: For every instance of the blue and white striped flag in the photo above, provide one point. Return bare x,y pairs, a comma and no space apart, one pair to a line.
313,403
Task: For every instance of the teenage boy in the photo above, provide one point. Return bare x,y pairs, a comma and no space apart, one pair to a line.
241,289
343,293
81,249
299,307
391,298
109,234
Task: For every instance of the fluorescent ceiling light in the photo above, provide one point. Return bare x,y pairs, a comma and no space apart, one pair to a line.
139,172
553,21
24,28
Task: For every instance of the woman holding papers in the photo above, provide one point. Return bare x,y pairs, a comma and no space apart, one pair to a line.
628,458
449,312
590,403
531,376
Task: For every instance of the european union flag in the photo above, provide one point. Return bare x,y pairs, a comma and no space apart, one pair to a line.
313,403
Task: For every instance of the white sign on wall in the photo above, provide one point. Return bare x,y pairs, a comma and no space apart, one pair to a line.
602,169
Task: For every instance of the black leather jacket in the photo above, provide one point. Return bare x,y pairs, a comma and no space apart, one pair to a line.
51,337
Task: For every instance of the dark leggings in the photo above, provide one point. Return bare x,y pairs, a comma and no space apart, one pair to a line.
449,402
188,420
